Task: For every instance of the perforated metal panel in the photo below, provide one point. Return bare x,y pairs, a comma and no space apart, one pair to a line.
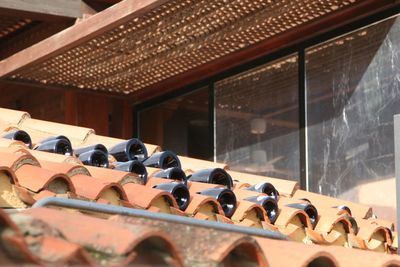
171,39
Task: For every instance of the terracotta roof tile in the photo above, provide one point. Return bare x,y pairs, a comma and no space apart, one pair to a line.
39,130
332,230
114,175
240,185
92,188
238,249
206,246
374,236
42,194
66,168
197,187
151,182
250,214
21,195
243,193
36,179
151,171
10,195
40,155
384,223
15,160
287,253
356,257
15,150
9,143
13,244
292,223
111,242
357,210
203,207
192,165
283,186
109,142
60,252
28,175
89,236
9,117
149,198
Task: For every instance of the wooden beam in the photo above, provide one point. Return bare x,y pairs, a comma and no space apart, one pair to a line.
78,34
292,37
93,93
31,36
41,9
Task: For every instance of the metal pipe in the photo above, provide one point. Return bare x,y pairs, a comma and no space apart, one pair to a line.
111,209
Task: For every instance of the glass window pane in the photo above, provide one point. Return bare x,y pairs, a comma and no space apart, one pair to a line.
353,91
257,126
179,125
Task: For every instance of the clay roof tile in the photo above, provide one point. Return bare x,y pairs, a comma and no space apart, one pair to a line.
13,245
11,143
145,197
357,210
283,186
66,168
118,243
63,253
288,253
206,246
375,236
193,164
357,257
110,142
203,207
238,251
114,175
11,117
40,129
36,179
40,155
93,188
251,213
15,160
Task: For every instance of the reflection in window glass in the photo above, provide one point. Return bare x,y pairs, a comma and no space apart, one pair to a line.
353,91
257,120
180,125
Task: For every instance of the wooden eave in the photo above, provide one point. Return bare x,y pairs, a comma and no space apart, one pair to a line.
147,48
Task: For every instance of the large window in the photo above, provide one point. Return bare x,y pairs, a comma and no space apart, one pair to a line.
353,91
257,120
346,144
180,124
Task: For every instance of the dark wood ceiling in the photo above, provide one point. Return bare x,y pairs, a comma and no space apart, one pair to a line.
147,44
23,23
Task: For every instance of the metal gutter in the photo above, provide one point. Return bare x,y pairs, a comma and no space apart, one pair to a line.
111,209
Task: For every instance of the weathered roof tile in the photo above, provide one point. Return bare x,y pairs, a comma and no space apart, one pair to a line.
27,176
